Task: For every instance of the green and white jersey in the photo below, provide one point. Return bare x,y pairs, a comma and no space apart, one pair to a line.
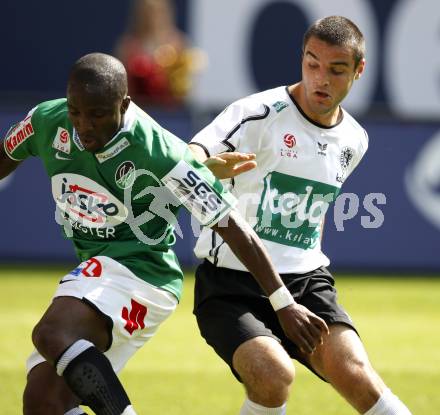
121,202
300,169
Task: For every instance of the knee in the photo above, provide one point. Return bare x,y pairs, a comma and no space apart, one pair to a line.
266,371
276,379
37,403
269,383
360,369
47,340
362,385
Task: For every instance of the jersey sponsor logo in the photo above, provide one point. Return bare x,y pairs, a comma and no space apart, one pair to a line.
92,268
135,318
89,269
280,105
289,141
195,193
291,210
62,141
112,151
86,202
19,134
125,174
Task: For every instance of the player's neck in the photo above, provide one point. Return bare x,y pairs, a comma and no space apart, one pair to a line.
329,119
119,128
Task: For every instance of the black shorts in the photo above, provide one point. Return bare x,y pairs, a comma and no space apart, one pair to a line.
231,308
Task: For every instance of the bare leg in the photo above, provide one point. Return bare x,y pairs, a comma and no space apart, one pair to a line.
71,336
266,371
343,362
47,393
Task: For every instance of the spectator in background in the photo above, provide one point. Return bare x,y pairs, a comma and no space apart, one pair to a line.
156,54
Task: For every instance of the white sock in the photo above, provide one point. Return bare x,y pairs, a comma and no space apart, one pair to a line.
75,411
388,404
252,408
78,411
129,411
73,351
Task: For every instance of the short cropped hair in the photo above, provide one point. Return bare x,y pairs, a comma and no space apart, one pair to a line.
102,72
338,31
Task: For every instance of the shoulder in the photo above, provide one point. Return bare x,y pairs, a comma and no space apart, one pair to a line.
147,131
356,132
267,102
48,112
262,106
53,108
154,143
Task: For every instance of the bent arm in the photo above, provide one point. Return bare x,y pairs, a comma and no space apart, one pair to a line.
300,325
7,165
249,249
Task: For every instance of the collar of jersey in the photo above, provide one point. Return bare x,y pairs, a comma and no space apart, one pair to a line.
129,118
309,119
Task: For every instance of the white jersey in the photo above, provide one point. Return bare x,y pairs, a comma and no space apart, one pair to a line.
301,167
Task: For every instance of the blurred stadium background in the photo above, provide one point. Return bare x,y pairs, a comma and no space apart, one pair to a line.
249,45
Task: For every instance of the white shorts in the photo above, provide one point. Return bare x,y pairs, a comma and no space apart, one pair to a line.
135,307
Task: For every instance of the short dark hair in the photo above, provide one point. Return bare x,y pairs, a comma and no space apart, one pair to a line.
101,71
338,31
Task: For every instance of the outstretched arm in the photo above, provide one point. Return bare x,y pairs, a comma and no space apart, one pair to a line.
7,165
225,165
303,327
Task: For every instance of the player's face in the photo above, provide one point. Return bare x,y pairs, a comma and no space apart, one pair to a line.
95,117
328,73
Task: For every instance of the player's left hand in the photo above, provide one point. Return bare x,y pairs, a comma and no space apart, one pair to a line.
228,165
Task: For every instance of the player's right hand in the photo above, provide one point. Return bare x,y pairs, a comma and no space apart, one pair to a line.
303,327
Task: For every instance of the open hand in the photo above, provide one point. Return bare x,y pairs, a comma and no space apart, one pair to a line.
228,165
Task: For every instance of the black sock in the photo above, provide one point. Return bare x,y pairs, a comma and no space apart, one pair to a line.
92,378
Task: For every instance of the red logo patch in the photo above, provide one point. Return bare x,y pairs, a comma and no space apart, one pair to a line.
93,268
19,134
289,140
135,319
64,136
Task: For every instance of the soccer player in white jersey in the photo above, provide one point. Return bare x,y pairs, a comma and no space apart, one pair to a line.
118,179
306,146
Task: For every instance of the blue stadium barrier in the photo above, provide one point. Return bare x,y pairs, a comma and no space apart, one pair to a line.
399,169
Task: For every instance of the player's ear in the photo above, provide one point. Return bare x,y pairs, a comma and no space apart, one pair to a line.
360,69
125,103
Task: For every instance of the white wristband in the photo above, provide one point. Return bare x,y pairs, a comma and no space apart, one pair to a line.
281,298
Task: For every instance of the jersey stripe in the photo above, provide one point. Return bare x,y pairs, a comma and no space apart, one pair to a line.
226,142
202,146
213,252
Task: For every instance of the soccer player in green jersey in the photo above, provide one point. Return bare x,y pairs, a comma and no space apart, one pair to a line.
118,179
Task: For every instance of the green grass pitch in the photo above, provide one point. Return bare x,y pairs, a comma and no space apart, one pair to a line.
178,374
